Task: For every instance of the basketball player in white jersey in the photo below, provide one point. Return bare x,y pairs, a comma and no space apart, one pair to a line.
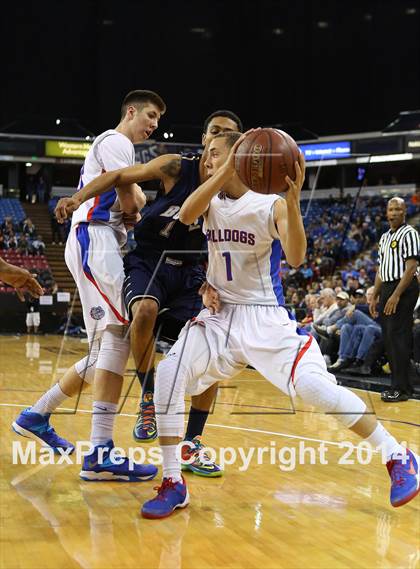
246,234
93,256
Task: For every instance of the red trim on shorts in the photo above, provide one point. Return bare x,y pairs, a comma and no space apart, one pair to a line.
95,203
92,209
300,355
114,310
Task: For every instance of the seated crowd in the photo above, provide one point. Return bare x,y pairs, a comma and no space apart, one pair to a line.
22,246
21,237
335,311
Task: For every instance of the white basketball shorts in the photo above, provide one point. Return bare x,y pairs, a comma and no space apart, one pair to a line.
94,258
264,337
33,319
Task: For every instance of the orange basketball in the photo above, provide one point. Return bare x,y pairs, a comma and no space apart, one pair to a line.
265,158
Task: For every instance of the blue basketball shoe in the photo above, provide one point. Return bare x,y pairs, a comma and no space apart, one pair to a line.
145,429
100,465
37,427
170,496
405,478
198,462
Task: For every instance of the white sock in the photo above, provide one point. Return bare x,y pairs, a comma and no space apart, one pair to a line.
381,436
171,464
103,418
49,401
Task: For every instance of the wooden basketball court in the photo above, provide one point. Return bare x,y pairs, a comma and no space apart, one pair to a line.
311,516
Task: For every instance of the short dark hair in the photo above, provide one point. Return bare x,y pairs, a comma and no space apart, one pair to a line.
231,137
224,113
140,98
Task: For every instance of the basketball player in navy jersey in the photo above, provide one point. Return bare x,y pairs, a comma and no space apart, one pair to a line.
246,234
164,272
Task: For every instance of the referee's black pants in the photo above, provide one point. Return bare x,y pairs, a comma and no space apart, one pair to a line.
397,331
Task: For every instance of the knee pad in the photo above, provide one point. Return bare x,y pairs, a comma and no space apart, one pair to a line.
329,397
85,367
114,350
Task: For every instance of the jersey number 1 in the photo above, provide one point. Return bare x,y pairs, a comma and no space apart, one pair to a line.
228,261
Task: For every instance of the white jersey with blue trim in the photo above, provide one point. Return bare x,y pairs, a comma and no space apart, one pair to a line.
244,249
111,150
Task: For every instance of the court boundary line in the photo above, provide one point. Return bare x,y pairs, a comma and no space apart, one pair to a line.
230,427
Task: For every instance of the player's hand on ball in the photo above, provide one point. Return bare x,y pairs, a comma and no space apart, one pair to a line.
211,298
295,186
230,162
65,207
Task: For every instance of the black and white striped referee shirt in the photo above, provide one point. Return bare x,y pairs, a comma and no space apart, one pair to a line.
395,248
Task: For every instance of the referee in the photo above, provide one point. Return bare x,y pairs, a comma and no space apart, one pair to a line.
397,290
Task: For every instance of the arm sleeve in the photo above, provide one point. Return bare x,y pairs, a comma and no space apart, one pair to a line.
116,152
411,245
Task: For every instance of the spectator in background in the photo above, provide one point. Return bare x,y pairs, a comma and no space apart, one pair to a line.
30,189
28,228
41,189
312,309
328,305
358,299
298,304
327,302
363,278
57,230
358,332
307,273
12,242
47,282
38,246
33,317
327,326
23,245
352,285
8,227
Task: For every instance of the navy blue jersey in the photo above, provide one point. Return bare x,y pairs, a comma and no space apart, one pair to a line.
160,230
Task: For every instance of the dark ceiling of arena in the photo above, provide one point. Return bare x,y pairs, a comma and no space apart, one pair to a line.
330,66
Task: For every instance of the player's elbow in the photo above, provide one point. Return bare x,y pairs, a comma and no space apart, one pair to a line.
295,261
140,200
185,217
118,179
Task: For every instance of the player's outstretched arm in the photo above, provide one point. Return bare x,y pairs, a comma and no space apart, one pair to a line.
19,278
157,169
288,218
131,198
198,202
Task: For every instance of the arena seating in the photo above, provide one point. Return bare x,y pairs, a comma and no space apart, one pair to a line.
11,208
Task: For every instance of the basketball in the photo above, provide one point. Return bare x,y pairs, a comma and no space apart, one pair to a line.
265,158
